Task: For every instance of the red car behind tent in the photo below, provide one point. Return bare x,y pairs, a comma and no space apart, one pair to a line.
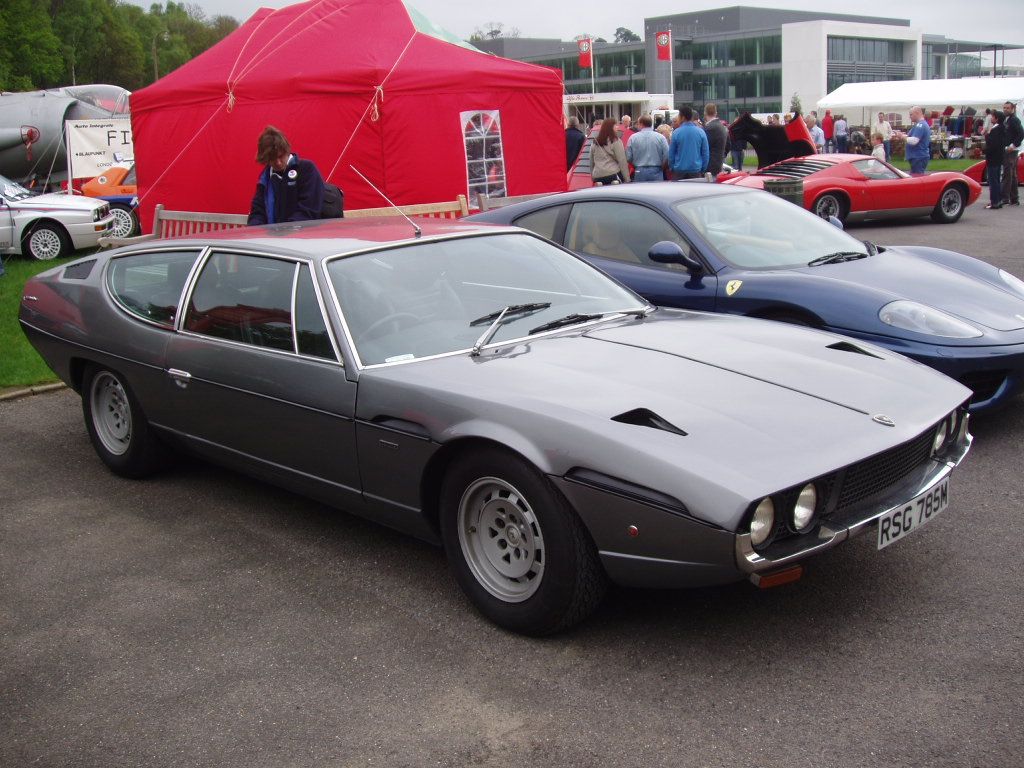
351,83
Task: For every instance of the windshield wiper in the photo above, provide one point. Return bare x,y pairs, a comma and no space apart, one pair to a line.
572,319
512,309
836,258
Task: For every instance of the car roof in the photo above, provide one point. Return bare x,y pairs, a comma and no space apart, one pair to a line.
330,237
666,191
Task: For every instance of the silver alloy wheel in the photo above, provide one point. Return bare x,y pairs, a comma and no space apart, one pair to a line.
44,244
501,539
111,413
951,202
828,205
124,222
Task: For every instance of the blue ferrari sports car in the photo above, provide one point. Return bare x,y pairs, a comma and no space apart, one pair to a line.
727,249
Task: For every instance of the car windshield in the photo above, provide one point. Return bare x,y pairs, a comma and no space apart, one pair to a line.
12,190
757,230
439,297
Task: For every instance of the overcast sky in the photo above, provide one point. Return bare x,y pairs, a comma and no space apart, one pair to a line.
977,20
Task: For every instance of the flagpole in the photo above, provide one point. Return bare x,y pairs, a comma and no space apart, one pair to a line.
593,67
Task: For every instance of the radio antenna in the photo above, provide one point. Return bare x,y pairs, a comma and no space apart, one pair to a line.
372,186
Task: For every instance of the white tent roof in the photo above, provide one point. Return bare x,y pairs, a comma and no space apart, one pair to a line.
892,95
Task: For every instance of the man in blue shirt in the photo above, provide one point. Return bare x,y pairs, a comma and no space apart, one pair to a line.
688,154
919,143
647,152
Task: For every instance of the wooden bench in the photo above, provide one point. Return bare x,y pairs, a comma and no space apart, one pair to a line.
167,224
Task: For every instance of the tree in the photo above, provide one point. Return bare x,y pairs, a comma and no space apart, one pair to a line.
623,35
795,106
30,55
493,30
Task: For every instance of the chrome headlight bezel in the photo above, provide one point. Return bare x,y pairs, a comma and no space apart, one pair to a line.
804,512
762,522
920,318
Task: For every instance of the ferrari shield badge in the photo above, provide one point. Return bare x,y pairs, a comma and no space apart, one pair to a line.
732,286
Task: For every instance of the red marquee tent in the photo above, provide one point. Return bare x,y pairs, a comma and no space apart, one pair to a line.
368,84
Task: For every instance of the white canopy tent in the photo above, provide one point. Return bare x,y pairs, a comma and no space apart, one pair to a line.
866,99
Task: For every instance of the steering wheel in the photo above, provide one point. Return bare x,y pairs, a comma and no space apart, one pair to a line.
398,318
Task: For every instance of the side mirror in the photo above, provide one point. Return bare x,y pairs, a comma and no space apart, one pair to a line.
835,222
667,252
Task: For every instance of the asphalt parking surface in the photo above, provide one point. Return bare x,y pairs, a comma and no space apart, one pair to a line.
203,619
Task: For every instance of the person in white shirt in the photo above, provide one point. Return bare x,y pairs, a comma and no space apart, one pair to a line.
878,147
817,135
884,129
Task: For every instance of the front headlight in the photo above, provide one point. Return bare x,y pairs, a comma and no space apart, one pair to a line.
1013,282
911,316
803,510
762,522
940,436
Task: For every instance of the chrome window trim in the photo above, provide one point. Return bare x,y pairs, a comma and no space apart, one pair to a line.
106,278
296,268
298,261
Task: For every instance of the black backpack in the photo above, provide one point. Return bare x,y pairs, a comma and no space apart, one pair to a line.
334,202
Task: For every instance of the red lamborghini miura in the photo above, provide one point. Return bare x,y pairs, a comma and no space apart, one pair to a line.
849,187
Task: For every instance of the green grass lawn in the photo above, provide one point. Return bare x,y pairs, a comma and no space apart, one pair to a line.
20,366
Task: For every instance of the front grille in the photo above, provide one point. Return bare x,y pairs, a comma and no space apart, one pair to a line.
871,476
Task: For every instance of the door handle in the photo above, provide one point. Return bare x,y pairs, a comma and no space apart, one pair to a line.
181,378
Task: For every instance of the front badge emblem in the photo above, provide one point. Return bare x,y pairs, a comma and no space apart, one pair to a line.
732,286
884,420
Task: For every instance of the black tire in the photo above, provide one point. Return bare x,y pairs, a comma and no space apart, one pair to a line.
46,241
830,204
951,205
117,426
516,548
126,221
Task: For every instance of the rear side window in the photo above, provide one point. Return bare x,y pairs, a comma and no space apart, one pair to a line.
544,222
149,285
244,298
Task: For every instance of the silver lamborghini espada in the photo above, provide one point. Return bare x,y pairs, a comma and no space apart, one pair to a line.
483,389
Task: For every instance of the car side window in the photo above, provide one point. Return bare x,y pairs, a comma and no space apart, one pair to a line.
621,231
310,327
544,222
244,298
873,168
149,285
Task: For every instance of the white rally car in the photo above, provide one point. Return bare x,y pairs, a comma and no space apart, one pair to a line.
47,226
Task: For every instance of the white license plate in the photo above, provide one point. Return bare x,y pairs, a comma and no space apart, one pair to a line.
912,515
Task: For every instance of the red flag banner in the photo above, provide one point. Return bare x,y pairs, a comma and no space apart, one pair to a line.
586,48
664,43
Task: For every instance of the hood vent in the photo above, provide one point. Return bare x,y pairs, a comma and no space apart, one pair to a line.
642,417
845,346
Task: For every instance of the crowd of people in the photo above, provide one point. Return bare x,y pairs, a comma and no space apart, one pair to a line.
656,151
692,149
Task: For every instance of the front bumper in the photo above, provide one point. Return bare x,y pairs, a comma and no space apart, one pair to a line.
852,523
88,234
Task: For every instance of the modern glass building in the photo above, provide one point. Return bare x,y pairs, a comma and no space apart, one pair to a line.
750,59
